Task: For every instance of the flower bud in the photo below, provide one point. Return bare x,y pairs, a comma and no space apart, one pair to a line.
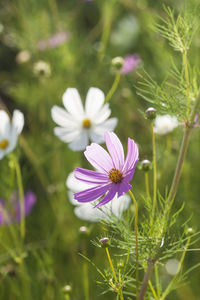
105,242
41,68
190,231
117,62
67,289
84,231
151,113
146,164
120,264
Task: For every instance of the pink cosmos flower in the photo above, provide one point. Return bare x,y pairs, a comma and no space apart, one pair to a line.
12,213
114,173
131,62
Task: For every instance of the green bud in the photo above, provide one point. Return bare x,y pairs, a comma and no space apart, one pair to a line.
105,242
146,164
67,289
117,62
84,231
190,231
120,264
151,113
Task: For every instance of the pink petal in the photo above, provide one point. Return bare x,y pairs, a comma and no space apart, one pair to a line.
109,196
123,188
115,149
98,157
92,193
132,155
90,176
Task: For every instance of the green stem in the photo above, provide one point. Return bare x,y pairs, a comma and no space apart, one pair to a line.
157,281
146,174
111,266
85,275
113,87
120,288
21,198
187,81
154,173
136,241
147,275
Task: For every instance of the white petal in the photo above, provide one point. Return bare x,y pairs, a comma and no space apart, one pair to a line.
119,205
73,103
4,124
94,101
98,131
12,141
2,154
61,117
80,142
71,199
87,212
76,185
102,115
18,121
66,135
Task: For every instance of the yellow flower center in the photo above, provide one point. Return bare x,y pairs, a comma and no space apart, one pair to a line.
87,123
115,175
4,144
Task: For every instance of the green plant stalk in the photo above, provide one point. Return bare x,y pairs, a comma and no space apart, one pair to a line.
173,189
113,87
21,198
85,275
187,81
147,275
154,174
146,174
136,241
167,290
111,265
120,284
157,281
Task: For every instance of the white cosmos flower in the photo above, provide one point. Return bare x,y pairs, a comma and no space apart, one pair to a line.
9,131
86,211
78,125
165,124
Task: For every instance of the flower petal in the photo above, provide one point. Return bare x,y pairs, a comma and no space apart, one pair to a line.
80,142
87,212
62,117
90,176
92,193
75,185
98,157
4,124
66,135
123,188
120,204
73,103
115,149
109,196
97,133
102,114
132,155
18,121
94,101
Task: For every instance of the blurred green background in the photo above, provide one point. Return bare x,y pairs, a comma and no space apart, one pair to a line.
95,32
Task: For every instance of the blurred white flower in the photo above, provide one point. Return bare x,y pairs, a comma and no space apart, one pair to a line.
172,266
79,125
165,124
9,131
41,68
86,211
23,56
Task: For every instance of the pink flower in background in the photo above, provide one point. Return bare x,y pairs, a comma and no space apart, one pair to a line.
54,41
131,62
114,173
13,213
